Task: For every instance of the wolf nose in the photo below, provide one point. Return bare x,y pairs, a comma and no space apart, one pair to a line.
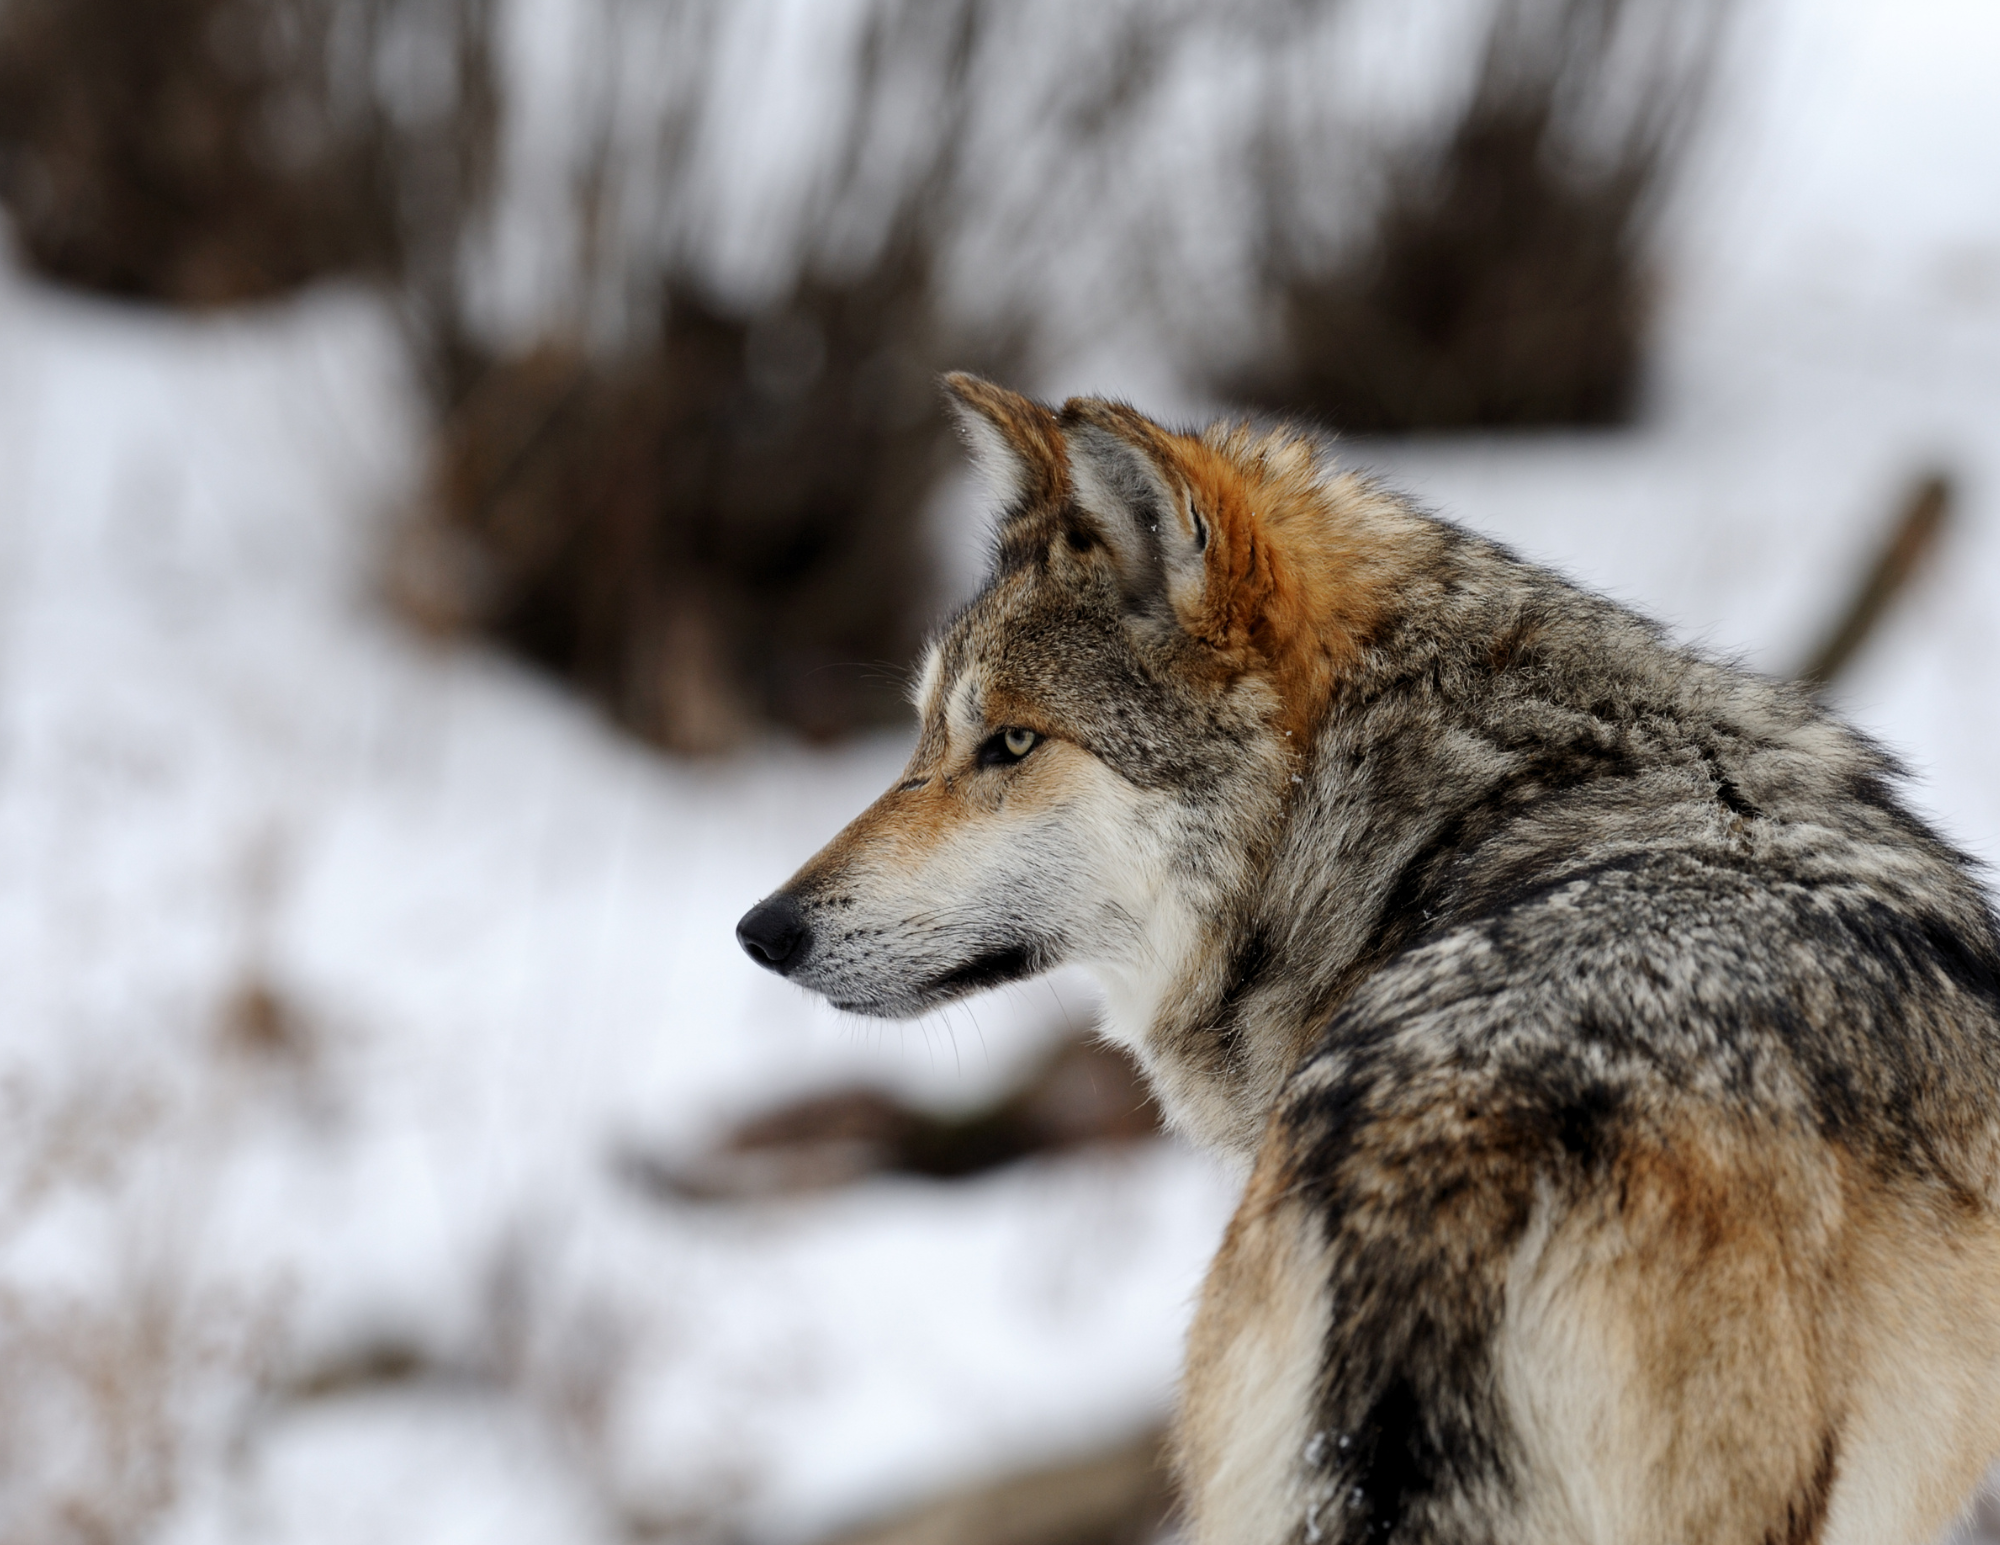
774,933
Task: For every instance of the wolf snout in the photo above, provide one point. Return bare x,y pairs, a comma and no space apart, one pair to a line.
775,934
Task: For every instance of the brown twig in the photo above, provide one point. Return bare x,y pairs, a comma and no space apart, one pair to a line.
1083,1094
1910,541
1118,1496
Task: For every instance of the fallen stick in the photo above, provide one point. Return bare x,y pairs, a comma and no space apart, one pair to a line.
1910,541
1117,1496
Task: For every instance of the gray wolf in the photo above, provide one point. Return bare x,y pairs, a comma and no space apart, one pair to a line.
1614,1054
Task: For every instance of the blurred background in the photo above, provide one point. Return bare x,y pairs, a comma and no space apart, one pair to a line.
471,488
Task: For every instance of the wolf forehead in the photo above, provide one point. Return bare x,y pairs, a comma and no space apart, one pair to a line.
1044,661
1042,644
1150,587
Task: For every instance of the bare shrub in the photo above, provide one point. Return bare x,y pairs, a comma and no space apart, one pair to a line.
205,152
721,527
721,531
702,504
1505,278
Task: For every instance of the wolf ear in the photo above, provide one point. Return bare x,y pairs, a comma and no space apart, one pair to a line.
1128,477
1015,443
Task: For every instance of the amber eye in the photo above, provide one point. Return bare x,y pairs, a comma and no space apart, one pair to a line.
1005,747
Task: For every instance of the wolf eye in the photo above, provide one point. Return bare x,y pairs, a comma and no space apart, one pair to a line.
1005,747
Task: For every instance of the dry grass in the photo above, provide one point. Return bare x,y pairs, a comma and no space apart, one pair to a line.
114,1385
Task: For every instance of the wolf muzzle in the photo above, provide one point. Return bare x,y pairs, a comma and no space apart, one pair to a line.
775,934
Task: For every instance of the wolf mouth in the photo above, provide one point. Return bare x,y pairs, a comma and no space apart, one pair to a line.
992,969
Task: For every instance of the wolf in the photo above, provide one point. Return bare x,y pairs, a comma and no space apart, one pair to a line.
1613,1053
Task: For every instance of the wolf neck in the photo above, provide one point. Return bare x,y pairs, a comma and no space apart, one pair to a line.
1452,722
1239,967
1245,982
1495,703
1217,1010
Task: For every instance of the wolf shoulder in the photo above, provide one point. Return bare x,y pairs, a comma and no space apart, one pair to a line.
1841,971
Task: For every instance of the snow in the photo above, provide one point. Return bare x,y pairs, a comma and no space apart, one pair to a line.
498,935
505,936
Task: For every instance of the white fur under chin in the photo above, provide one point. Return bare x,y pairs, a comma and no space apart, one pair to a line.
1151,958
1150,933
1131,1001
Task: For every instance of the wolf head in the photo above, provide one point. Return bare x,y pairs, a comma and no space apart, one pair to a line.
1112,731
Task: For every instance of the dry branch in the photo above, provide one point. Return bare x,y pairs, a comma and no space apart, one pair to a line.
1907,544
1083,1094
1118,1496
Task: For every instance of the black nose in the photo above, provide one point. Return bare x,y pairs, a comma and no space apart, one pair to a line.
774,934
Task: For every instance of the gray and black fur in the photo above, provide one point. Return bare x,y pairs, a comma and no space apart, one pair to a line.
1592,889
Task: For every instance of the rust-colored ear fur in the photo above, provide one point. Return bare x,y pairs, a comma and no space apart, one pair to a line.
1246,541
1015,442
1265,558
1191,506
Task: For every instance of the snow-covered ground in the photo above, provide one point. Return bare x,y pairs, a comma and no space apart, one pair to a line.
494,945
339,968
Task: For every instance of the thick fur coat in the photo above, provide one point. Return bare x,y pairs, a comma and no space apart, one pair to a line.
1614,1054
